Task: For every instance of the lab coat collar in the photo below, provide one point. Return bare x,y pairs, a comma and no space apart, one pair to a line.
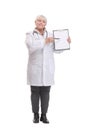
35,30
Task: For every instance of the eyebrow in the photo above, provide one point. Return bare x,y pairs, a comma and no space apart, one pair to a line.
42,19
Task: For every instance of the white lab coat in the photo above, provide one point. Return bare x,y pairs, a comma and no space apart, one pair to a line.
40,68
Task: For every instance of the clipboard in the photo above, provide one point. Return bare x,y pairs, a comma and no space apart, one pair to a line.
60,39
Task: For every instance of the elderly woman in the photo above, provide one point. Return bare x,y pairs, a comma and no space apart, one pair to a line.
40,69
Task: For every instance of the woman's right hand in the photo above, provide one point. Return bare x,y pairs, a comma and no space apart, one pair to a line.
49,40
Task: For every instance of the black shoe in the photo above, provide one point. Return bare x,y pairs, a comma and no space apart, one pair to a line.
44,118
36,118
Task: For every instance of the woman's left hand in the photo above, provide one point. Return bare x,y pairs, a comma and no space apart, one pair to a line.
69,40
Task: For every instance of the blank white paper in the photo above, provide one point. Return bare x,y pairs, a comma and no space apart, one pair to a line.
60,39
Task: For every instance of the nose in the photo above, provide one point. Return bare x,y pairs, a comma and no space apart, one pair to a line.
41,22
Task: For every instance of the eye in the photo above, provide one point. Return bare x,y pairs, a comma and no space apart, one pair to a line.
44,21
39,20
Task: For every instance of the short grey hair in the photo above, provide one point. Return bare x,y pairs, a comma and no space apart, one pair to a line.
41,16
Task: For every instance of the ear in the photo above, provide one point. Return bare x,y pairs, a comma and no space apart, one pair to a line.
45,24
35,21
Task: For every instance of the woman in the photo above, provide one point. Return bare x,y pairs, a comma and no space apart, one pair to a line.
40,70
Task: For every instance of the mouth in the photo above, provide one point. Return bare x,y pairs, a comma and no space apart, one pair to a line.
40,25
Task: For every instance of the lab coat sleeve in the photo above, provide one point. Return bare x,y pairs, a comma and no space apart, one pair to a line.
57,52
34,44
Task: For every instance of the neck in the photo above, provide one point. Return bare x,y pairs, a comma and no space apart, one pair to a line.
41,31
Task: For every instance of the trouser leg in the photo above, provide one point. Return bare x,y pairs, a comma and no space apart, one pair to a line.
35,99
44,95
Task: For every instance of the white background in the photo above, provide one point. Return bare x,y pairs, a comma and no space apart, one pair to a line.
68,97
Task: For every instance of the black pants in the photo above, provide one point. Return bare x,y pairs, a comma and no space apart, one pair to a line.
40,94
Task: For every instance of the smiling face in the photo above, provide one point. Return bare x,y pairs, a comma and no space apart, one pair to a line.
40,23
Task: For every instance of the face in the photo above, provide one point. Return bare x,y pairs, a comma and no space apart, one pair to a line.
40,23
